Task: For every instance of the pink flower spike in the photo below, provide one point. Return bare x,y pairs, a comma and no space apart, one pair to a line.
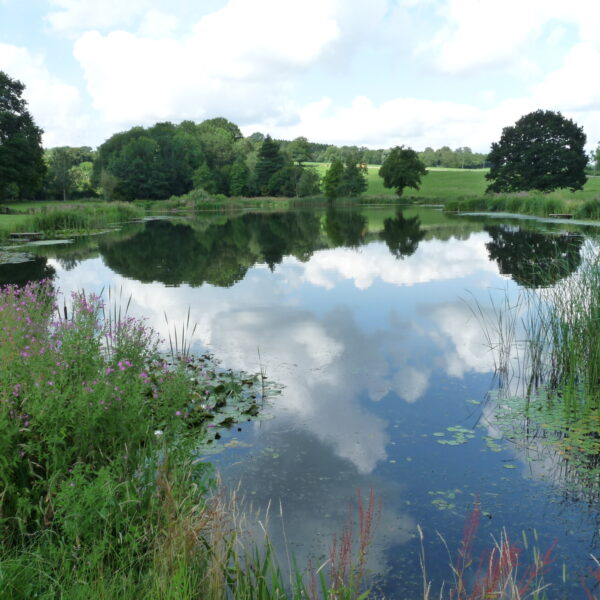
177,413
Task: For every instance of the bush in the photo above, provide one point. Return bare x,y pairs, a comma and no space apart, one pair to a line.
590,209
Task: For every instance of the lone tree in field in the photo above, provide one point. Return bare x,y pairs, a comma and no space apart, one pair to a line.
542,151
22,165
402,168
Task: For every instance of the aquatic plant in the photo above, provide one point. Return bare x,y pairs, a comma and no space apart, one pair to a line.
81,218
500,571
546,344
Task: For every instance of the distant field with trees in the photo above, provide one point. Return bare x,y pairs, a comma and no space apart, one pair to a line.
212,164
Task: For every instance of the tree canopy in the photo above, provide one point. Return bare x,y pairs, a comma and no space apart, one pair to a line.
344,180
402,168
22,164
542,151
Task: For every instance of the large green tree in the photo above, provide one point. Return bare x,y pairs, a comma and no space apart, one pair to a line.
402,168
69,171
299,150
542,151
332,180
270,160
22,164
353,182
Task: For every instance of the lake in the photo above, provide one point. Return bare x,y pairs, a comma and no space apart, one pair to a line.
370,323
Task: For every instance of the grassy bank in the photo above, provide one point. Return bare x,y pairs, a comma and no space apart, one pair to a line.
532,203
61,220
104,490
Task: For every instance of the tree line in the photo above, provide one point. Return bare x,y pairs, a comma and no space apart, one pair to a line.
543,151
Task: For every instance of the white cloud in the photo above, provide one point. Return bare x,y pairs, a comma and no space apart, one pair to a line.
158,24
236,61
483,33
410,384
55,106
571,87
462,335
242,61
433,261
74,16
263,38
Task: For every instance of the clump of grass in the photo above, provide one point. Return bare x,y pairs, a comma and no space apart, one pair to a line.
529,204
590,209
83,218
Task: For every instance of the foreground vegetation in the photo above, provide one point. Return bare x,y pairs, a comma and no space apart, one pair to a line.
104,490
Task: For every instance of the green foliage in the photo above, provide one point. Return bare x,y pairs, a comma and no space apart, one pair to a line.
81,179
299,150
69,172
239,179
167,159
270,160
284,182
542,151
529,204
102,489
84,218
332,180
590,209
204,179
22,165
59,171
309,183
402,168
460,158
353,181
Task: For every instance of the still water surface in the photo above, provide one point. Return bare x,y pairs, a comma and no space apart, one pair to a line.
366,319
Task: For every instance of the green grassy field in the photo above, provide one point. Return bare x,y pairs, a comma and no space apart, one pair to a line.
442,184
438,184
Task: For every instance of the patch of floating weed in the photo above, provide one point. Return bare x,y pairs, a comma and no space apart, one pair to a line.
444,499
458,435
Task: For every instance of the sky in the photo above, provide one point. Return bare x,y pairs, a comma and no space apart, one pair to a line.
374,73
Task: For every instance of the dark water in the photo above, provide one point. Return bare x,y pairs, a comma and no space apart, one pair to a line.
366,318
